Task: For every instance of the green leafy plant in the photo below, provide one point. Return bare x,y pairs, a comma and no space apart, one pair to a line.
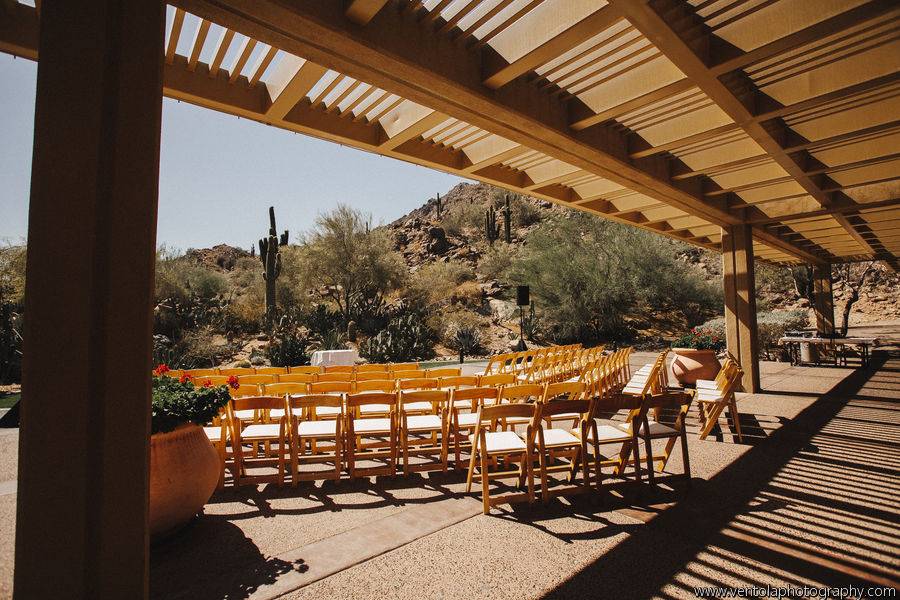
406,337
288,343
334,339
467,341
179,401
699,338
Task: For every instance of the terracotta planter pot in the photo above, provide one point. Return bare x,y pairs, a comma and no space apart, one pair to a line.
690,365
184,471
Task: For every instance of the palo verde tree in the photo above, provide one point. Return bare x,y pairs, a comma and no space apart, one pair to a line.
270,256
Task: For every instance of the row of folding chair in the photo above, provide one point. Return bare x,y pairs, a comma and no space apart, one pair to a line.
519,362
298,370
303,378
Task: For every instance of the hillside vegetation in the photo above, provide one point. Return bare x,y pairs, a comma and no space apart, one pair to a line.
441,280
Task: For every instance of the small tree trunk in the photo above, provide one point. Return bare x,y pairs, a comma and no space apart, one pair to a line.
845,318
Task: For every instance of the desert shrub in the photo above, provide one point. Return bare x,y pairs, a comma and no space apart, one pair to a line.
467,294
406,337
370,313
319,320
435,282
586,296
335,339
497,261
462,217
344,258
525,212
771,325
288,343
194,349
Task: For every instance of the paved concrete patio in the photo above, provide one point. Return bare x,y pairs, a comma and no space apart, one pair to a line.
811,497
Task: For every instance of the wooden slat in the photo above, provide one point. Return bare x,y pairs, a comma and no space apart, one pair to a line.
292,81
197,44
174,34
583,121
221,49
556,46
243,56
262,63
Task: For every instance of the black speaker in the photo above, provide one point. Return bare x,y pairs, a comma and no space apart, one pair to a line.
522,295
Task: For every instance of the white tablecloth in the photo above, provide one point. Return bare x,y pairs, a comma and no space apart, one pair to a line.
334,357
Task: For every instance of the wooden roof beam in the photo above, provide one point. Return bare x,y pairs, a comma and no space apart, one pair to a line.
363,11
19,30
500,73
292,80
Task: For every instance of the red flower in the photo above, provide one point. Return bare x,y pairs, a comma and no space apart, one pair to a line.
207,383
185,378
161,369
233,382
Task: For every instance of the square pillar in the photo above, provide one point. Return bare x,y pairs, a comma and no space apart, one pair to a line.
740,302
824,300
82,507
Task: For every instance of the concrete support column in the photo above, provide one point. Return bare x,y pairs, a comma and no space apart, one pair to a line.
82,507
740,301
824,297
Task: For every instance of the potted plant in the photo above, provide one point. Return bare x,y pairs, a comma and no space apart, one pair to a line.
695,355
184,465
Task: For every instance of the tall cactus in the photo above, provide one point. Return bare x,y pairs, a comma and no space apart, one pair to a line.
270,256
507,221
439,207
491,227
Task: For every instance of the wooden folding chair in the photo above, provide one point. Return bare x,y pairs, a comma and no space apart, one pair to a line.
519,394
651,429
332,388
715,396
335,376
372,367
214,380
380,431
463,417
444,372
554,443
386,386
489,445
271,370
407,366
237,371
280,389
254,433
562,390
199,372
257,379
372,375
415,422
459,381
217,433
408,374
339,369
296,378
306,369
306,427
496,379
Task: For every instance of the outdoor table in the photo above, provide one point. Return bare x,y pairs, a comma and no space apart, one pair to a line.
325,358
837,344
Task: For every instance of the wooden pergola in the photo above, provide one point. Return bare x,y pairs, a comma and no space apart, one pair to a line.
764,129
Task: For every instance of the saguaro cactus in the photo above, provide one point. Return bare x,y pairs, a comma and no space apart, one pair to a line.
439,207
507,221
270,256
491,227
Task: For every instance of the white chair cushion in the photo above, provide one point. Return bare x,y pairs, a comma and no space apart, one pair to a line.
260,431
328,411
610,434
468,419
244,415
371,425
656,429
706,384
565,416
501,441
374,409
424,423
558,437
277,413
213,433
418,407
317,428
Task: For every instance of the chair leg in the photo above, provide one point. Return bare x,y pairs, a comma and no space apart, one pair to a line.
712,417
648,447
485,484
529,473
472,458
597,466
585,470
542,462
404,444
684,454
295,462
736,419
338,456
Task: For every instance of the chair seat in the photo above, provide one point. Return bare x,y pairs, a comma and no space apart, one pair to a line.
610,434
501,441
316,429
559,437
418,407
564,416
424,423
277,413
517,420
467,419
328,411
244,415
213,433
259,431
371,426
462,404
656,429
375,409
708,396
706,384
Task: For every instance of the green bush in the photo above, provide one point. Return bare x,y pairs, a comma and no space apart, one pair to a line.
770,326
497,261
288,343
406,337
463,217
179,401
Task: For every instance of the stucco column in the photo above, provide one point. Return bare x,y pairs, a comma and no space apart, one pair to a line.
82,506
740,301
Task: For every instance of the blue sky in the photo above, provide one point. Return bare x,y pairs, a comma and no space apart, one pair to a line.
219,174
